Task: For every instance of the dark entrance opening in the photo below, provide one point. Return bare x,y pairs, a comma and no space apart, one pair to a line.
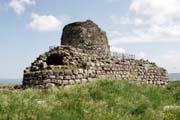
55,59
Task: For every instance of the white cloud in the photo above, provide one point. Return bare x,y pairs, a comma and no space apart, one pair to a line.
157,11
118,49
138,21
156,7
19,6
154,21
169,60
125,20
153,35
64,18
120,20
136,36
141,55
46,23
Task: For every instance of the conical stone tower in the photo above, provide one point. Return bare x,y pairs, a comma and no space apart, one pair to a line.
87,36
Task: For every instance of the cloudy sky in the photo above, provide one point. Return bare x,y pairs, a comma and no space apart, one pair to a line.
150,29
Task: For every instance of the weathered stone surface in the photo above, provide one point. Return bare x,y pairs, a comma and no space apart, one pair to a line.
68,72
64,83
67,77
87,36
50,85
80,71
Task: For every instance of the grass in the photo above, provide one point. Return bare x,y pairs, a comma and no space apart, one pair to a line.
100,100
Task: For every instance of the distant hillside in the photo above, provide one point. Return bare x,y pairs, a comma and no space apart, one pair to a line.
174,76
10,81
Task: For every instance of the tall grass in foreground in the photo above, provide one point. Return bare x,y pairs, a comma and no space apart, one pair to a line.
100,100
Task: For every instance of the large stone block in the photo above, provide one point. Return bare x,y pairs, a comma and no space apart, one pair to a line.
68,72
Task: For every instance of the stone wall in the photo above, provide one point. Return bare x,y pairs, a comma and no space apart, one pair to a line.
74,66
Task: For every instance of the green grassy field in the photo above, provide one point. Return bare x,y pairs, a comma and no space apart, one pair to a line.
100,100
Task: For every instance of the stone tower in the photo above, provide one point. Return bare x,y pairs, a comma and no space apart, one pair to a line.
83,56
87,36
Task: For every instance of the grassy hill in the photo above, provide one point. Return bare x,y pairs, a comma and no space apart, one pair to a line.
100,100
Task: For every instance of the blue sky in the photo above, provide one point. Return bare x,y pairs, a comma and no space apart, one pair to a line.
150,29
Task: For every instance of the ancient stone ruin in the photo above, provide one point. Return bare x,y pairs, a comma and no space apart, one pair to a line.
84,55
